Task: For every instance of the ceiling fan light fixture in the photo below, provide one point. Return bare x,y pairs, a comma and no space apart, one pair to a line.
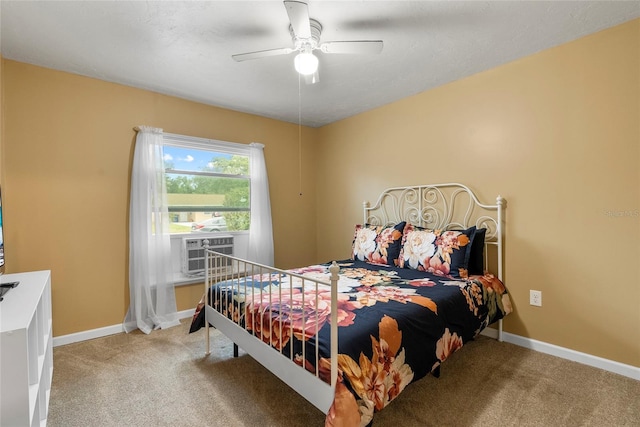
306,63
305,35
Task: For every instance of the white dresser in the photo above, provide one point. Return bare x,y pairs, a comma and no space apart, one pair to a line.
26,350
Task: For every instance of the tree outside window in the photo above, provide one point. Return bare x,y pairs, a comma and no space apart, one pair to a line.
207,190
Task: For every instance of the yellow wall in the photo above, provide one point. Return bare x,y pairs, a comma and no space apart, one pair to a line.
68,153
1,125
557,134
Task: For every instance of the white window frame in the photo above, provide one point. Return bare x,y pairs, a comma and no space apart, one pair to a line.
241,238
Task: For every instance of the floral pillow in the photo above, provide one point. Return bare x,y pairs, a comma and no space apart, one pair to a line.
445,253
377,244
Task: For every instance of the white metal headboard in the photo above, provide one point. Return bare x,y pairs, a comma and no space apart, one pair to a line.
440,207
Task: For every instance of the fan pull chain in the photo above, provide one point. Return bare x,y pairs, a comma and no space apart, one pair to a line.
299,135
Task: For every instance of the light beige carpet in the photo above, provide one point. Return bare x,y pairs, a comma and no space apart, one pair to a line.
163,379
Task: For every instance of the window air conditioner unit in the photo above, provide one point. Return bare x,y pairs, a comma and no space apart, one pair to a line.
193,255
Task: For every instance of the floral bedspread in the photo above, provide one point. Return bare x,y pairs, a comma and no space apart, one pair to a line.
395,325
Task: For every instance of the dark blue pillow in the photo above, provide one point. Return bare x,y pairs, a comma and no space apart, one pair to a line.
460,257
476,252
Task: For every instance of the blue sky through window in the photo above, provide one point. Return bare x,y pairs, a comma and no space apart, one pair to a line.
190,159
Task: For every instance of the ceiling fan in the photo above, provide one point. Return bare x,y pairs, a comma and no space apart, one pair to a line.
305,33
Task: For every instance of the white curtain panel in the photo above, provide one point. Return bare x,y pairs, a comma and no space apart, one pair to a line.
260,231
152,294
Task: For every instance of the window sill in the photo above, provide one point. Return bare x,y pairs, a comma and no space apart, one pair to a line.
207,234
180,279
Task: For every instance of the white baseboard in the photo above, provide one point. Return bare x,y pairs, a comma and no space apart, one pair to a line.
566,353
103,332
576,356
542,347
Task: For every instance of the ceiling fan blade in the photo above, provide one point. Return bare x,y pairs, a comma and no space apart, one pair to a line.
312,78
298,12
262,54
358,46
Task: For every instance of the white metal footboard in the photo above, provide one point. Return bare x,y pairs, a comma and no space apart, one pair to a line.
232,321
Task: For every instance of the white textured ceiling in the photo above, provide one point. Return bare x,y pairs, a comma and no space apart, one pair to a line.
184,48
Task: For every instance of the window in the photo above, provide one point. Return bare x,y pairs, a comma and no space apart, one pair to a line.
207,185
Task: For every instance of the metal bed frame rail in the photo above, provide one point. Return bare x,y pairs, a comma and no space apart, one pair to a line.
233,273
436,206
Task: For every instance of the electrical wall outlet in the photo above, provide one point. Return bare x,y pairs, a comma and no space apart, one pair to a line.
535,298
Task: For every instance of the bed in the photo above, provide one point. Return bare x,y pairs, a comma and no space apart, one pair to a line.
424,278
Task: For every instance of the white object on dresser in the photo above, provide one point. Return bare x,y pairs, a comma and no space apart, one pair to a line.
26,350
